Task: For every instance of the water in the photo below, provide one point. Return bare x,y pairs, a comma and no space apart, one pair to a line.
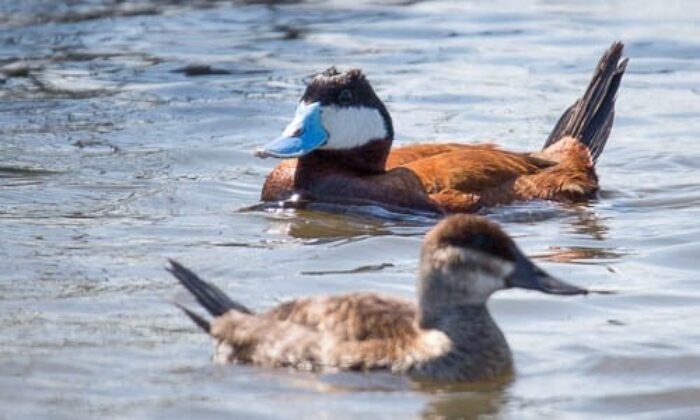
113,158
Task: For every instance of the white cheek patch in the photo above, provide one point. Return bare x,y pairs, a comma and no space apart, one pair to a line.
484,284
487,273
351,127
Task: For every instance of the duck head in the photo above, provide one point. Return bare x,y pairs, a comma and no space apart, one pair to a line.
466,258
339,116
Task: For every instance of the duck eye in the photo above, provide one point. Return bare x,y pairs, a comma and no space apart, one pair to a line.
345,97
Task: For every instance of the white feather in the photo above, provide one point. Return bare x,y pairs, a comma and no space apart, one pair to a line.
351,127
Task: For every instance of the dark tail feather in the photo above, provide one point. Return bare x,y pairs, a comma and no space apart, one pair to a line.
209,296
198,320
590,118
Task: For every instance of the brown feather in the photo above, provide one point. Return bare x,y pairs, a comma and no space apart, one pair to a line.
357,316
448,335
456,178
452,177
360,331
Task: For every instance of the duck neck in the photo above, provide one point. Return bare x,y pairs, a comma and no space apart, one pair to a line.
479,348
368,159
451,316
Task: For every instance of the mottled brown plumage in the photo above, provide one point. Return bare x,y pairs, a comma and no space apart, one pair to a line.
448,336
453,177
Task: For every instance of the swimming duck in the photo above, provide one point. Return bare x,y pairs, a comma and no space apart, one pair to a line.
338,150
448,335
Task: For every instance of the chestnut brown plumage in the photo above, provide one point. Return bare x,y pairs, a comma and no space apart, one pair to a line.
453,177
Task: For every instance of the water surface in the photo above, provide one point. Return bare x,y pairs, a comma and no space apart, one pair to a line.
126,137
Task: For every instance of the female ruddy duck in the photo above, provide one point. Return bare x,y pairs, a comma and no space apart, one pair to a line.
448,335
340,141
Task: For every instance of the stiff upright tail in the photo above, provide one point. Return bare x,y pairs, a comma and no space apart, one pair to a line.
209,296
590,118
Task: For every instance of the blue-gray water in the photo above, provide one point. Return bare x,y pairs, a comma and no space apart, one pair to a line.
113,159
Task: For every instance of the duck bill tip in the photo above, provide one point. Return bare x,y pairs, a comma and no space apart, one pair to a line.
261,153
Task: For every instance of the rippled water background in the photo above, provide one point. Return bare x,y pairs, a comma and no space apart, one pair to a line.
114,156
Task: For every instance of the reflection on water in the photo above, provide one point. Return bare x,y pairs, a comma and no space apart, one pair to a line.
587,222
127,136
464,405
330,226
579,255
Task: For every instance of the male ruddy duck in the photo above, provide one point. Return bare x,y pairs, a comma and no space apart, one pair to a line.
448,335
340,145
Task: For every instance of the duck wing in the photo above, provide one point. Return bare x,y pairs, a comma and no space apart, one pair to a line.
360,331
352,317
400,156
473,169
